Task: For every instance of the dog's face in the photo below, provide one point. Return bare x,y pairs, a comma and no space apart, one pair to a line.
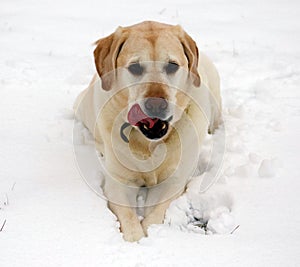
157,63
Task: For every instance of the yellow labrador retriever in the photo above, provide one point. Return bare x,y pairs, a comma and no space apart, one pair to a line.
149,107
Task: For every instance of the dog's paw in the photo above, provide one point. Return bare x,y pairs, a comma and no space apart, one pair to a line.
133,234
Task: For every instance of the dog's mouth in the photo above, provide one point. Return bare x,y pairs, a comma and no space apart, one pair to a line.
151,127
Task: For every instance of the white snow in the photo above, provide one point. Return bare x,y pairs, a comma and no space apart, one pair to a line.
267,168
51,216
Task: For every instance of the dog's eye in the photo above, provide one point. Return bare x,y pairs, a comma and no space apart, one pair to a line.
171,67
136,69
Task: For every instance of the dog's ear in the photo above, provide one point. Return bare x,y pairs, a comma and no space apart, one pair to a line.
191,51
106,54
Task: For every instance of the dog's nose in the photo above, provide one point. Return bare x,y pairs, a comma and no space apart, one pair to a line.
156,107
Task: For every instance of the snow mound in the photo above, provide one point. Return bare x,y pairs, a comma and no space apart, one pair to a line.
207,212
267,168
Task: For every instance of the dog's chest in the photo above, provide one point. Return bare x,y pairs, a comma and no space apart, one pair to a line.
154,161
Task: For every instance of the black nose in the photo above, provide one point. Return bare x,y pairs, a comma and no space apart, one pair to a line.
156,107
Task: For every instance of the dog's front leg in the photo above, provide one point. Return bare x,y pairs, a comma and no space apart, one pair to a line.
130,224
121,200
156,214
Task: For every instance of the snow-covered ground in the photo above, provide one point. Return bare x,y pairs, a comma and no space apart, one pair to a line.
50,217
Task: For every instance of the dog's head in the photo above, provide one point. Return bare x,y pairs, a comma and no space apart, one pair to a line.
157,63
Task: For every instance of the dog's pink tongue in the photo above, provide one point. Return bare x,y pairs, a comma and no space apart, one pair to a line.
136,115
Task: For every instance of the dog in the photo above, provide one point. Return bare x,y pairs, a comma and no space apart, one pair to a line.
149,106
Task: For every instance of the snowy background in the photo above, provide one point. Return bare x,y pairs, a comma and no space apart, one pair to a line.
50,217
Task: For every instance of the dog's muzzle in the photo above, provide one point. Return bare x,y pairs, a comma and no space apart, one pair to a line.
153,122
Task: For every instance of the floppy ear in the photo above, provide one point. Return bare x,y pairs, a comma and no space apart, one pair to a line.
191,51
106,54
